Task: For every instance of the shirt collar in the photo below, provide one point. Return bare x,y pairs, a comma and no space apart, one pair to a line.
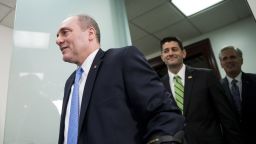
88,61
238,78
181,73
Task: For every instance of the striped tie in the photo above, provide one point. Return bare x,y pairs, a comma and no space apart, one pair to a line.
179,92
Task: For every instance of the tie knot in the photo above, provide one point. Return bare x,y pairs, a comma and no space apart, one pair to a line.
177,77
79,72
234,81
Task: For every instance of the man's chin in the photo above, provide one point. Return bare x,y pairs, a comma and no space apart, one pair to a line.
66,59
173,63
232,72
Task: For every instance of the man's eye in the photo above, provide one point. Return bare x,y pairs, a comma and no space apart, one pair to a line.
233,57
65,32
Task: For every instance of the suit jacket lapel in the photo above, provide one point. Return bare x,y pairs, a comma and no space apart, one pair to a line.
189,80
166,81
245,85
89,86
67,91
64,105
247,89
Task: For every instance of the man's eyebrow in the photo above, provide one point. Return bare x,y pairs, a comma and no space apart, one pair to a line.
62,29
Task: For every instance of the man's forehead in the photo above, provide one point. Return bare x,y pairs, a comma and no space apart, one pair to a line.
67,23
170,43
229,51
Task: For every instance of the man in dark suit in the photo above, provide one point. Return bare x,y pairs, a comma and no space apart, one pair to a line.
209,118
122,100
231,60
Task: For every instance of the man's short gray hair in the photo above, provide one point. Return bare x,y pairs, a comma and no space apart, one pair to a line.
237,50
87,21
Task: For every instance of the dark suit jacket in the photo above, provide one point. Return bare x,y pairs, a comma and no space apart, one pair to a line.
124,101
247,120
205,107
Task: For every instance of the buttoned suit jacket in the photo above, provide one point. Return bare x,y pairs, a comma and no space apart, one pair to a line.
207,110
124,101
247,120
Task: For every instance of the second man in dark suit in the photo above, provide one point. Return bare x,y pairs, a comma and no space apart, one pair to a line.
208,115
231,60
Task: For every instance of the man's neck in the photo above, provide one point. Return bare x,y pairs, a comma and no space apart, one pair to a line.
175,69
233,75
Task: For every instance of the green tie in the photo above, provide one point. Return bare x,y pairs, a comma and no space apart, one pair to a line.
179,92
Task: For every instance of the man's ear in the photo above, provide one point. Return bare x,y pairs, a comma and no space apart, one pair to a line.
221,64
184,53
162,57
92,33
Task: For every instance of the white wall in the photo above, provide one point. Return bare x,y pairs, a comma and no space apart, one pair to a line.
241,34
5,57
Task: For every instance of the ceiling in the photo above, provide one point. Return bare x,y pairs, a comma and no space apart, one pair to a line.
7,12
151,20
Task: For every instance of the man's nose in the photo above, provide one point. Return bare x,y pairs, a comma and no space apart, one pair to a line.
170,52
59,40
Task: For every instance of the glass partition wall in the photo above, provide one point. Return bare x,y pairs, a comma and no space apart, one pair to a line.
37,72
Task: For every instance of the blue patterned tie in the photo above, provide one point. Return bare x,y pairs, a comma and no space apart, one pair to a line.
74,110
236,94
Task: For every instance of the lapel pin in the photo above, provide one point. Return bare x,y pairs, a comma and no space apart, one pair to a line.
189,77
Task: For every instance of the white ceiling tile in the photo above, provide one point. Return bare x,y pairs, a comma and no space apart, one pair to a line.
184,30
214,18
10,3
9,19
148,45
137,7
4,10
136,33
240,8
158,18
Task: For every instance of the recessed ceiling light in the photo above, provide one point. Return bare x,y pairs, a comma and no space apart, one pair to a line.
190,7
